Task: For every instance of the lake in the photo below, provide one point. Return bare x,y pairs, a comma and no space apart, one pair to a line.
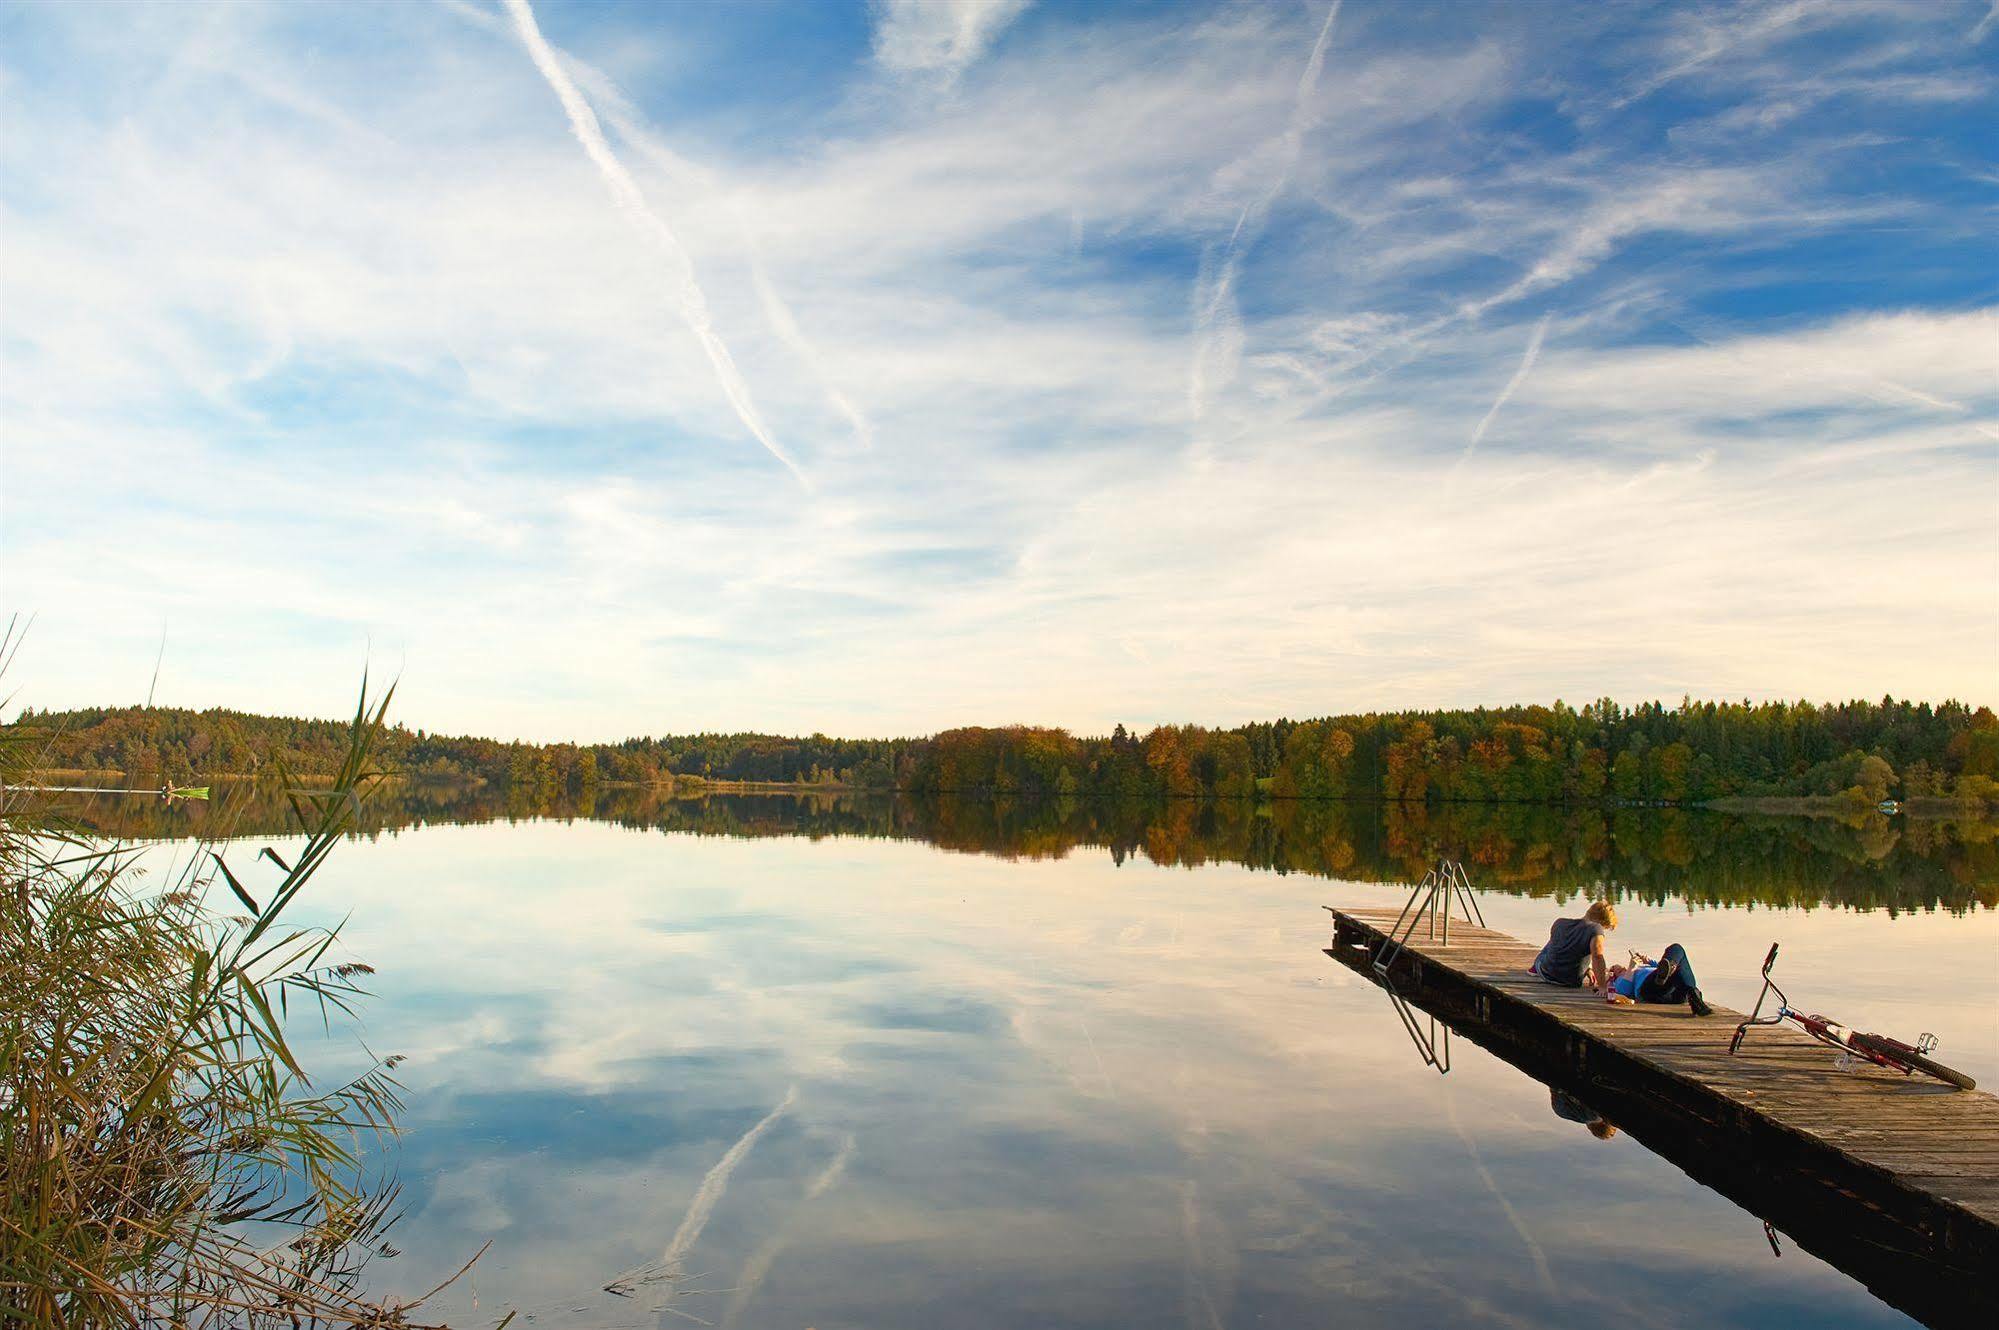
841,1062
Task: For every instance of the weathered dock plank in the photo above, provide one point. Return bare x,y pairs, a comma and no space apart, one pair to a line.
1893,1178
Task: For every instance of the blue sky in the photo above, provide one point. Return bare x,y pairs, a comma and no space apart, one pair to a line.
611,369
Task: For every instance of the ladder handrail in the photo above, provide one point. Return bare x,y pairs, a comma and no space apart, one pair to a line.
1445,882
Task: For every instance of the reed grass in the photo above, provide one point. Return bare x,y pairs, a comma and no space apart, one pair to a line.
165,1159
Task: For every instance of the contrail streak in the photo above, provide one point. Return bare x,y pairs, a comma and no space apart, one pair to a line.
780,316
631,127
1199,1298
758,1266
1218,327
625,193
1527,360
833,1171
1534,1251
712,1187
1095,1054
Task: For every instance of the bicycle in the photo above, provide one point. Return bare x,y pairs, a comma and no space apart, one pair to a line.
1882,1051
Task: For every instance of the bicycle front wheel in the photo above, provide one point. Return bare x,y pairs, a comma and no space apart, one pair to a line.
1903,1054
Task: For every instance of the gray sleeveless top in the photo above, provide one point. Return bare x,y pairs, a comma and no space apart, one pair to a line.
1566,957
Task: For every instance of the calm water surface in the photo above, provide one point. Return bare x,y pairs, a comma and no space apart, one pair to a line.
848,1082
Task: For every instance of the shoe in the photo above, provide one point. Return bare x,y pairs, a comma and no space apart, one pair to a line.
1699,1004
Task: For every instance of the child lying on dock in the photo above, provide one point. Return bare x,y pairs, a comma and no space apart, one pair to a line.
1668,980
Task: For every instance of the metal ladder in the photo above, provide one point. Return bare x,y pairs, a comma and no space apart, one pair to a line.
1432,899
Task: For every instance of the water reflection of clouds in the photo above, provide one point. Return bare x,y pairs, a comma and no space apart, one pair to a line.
1053,1093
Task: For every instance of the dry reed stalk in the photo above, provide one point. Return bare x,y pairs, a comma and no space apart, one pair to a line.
164,1158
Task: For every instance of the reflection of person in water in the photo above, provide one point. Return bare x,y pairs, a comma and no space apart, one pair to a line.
1575,1110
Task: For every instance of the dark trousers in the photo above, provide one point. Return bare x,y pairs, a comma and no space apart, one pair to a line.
1676,987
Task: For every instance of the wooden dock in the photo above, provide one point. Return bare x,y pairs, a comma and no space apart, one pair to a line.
1894,1179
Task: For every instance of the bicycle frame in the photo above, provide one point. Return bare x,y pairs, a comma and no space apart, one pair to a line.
1828,1032
1756,1013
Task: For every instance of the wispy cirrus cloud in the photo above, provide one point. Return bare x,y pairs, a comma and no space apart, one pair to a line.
1701,37
1217,322
391,306
916,36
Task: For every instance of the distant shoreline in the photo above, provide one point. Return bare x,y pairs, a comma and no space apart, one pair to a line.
1814,806
1833,805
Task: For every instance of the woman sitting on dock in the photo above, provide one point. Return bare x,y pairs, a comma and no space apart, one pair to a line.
1668,980
1575,949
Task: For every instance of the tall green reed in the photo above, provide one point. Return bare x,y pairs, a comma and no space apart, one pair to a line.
165,1159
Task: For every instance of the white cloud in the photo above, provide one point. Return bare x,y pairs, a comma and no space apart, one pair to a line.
1698,201
1701,37
390,369
1218,335
939,36
1944,366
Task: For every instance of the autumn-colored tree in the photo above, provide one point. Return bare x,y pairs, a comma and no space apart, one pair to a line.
1167,758
1548,754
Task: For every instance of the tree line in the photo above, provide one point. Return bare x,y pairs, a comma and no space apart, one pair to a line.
1859,752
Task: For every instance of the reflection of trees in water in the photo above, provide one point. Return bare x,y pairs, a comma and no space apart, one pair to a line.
1708,858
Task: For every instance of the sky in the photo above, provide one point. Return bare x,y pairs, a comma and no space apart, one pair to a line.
613,369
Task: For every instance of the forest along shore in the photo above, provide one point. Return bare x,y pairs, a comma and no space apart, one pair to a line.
1813,758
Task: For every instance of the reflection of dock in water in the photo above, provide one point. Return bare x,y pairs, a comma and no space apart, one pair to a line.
1893,1179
